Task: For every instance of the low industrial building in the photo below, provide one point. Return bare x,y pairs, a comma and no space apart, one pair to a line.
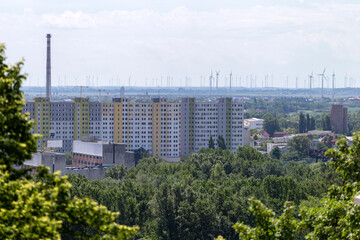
91,173
321,133
54,161
282,146
93,154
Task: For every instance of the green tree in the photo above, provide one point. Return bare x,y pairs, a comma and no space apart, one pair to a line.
253,132
221,142
271,125
291,156
68,156
268,227
218,173
140,154
325,122
248,153
276,152
312,123
321,146
16,142
211,143
116,172
300,144
302,123
308,122
39,208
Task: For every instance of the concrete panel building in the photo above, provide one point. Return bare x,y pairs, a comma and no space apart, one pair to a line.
54,161
165,129
101,154
200,120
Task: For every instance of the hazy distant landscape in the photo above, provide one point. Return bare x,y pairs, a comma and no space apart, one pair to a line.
180,120
114,91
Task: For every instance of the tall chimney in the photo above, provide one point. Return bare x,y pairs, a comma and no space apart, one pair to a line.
48,66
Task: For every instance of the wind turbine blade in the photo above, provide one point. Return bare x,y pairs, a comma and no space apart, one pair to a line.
324,71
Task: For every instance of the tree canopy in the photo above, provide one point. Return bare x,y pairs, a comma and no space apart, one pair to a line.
276,152
221,142
271,125
300,144
140,153
211,143
302,123
204,195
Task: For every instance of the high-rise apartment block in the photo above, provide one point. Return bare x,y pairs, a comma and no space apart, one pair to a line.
166,129
339,118
200,120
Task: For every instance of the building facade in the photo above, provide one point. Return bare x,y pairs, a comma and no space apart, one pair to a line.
101,154
254,123
54,161
165,129
339,118
200,120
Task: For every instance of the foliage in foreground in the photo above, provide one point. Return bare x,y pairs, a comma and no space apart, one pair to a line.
338,217
40,207
43,209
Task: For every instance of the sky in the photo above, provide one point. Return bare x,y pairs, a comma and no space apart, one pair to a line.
160,42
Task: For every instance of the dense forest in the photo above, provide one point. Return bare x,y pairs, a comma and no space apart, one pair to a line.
204,195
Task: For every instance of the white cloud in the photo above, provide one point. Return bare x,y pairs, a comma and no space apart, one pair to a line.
69,19
184,41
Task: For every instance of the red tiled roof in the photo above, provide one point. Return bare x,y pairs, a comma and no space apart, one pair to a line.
264,133
280,134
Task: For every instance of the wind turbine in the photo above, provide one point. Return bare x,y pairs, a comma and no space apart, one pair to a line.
333,85
210,81
287,82
230,82
322,82
81,90
310,82
217,80
100,93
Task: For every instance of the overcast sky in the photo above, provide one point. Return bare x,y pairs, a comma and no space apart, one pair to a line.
110,40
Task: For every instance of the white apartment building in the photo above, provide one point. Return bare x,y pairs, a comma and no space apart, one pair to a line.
200,120
254,123
166,129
